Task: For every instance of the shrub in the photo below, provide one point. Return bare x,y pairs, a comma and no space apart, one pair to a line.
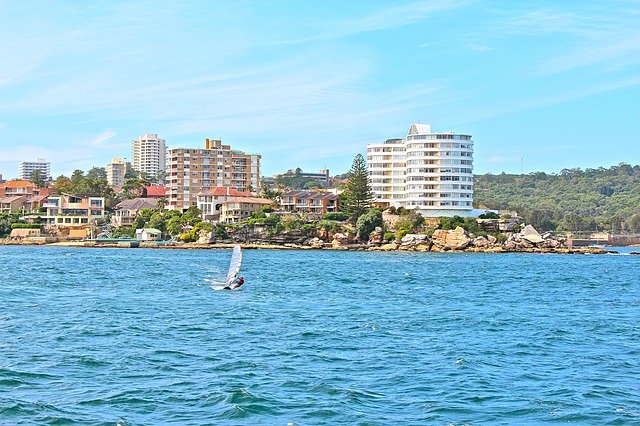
26,226
489,215
368,222
335,216
310,228
389,236
450,222
500,237
123,231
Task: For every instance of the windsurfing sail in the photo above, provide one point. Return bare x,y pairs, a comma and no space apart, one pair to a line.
234,265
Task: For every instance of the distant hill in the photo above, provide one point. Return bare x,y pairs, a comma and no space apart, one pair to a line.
573,200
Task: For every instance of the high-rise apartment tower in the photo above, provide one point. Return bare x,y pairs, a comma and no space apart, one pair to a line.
116,171
429,172
191,171
149,154
26,168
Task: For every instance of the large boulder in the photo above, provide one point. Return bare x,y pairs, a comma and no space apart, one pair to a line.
456,239
530,234
315,243
481,242
340,240
414,239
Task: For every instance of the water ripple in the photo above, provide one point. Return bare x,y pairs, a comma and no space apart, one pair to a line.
317,338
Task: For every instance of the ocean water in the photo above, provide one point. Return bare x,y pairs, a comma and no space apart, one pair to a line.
138,337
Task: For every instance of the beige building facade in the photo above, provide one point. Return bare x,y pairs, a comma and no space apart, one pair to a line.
192,171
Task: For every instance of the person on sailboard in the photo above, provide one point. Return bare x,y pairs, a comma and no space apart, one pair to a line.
238,283
234,284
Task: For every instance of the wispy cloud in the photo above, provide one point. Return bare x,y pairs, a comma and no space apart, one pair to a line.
381,19
101,138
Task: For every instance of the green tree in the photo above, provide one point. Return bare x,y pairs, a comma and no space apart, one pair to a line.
357,195
367,222
97,173
37,178
63,185
174,225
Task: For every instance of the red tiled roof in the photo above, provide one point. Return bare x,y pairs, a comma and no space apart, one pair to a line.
232,192
17,184
156,191
249,200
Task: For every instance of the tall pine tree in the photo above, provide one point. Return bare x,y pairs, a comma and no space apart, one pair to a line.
357,196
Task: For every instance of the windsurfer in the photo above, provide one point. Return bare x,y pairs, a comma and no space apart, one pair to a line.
238,283
235,284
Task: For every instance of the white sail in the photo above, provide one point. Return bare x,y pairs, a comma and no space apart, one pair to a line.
234,265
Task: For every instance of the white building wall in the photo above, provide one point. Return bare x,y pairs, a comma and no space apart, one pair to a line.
149,154
25,168
435,178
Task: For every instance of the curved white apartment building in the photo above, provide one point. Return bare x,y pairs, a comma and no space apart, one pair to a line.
386,164
437,172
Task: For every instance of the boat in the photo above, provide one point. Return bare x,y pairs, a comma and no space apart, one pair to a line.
234,265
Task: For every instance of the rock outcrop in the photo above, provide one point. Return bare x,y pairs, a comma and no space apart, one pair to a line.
456,239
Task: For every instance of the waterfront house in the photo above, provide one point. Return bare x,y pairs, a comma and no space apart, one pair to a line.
148,234
314,203
73,215
237,209
128,210
210,202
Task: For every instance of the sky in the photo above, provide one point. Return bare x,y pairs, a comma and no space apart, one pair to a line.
540,85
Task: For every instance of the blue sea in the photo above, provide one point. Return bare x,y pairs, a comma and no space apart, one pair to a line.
138,337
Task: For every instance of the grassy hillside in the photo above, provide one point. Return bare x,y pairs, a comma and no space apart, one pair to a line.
573,200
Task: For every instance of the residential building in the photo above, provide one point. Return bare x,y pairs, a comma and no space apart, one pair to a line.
149,154
22,195
315,203
12,203
210,202
148,234
17,187
191,171
156,191
26,168
437,176
116,171
387,170
73,211
237,209
126,212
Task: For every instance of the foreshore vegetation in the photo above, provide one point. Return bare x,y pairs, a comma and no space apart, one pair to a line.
575,200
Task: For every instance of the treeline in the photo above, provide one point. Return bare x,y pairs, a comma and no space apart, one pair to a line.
574,200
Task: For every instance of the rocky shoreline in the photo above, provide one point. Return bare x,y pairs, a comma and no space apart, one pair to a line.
456,240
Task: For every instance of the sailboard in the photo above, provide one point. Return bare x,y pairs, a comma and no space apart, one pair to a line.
234,265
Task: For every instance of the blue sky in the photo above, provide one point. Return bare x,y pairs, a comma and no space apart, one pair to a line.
540,85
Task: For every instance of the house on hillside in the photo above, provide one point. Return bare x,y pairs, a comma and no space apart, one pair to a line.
313,203
73,215
237,209
22,195
156,191
210,202
128,210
